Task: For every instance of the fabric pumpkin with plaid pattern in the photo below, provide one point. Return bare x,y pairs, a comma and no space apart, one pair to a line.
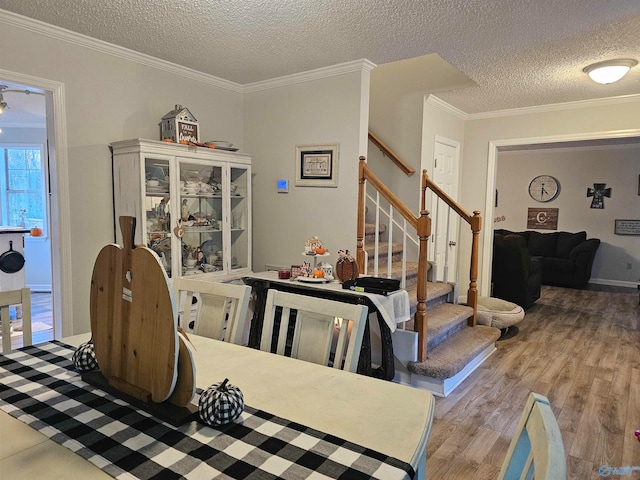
84,358
220,404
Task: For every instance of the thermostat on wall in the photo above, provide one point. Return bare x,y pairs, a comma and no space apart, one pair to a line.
283,186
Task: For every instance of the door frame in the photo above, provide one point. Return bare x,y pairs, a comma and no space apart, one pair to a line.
60,228
492,172
457,146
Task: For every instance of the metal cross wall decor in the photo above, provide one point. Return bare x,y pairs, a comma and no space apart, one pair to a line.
598,192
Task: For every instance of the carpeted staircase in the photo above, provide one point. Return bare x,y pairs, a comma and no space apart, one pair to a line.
454,349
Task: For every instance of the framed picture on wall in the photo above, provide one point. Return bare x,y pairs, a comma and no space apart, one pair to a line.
542,218
317,165
626,227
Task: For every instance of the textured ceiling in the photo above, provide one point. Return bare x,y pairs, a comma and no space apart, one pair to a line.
515,53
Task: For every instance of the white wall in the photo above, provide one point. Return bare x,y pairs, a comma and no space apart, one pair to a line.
562,123
109,98
323,111
578,168
37,250
397,121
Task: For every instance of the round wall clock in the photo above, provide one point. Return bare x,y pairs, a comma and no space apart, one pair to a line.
544,188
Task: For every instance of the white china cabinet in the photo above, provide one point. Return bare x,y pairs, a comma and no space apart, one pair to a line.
192,205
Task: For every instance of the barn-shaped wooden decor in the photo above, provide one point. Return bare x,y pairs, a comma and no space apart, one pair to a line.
179,125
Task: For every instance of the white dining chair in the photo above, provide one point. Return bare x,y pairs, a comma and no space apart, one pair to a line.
536,450
219,311
307,328
9,298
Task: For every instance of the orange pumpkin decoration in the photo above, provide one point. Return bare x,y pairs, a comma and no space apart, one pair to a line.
36,232
318,273
321,251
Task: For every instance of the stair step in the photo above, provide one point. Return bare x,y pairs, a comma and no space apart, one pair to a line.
444,321
396,272
450,357
437,293
370,228
383,253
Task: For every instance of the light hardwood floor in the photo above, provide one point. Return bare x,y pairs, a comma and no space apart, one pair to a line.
42,314
581,349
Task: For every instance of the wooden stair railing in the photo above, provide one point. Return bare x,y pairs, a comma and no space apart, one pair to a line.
475,223
422,224
407,169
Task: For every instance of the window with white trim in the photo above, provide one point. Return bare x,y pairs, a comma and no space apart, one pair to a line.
22,183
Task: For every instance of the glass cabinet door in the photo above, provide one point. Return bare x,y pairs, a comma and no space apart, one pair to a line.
239,217
157,226
200,213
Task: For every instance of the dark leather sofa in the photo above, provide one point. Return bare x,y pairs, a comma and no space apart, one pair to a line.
566,258
515,275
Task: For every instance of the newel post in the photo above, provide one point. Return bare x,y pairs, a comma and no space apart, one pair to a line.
472,294
424,231
362,165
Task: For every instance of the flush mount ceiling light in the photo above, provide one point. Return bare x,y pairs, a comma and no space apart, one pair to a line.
3,104
609,71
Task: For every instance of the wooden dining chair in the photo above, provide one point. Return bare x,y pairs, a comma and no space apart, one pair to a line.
536,450
7,299
307,326
218,310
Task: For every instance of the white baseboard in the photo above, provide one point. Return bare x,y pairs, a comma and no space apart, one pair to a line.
439,387
614,283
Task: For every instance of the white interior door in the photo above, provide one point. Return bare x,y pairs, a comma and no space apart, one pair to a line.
445,222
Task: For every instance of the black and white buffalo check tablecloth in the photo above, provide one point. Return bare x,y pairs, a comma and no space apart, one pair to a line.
39,386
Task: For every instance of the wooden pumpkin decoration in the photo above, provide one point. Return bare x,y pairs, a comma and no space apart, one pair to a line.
346,266
220,404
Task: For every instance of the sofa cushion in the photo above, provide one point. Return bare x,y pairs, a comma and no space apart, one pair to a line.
524,235
542,244
568,241
556,265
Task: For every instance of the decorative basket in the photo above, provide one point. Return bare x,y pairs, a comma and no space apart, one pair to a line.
346,266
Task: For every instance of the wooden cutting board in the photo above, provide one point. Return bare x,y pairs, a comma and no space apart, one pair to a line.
185,387
134,319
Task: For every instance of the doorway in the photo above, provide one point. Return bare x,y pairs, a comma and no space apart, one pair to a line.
24,195
530,143
54,159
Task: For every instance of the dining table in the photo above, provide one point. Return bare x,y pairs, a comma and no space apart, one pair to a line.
389,310
333,419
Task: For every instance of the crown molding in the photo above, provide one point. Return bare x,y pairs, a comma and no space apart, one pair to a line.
362,65
444,106
555,107
552,107
58,33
